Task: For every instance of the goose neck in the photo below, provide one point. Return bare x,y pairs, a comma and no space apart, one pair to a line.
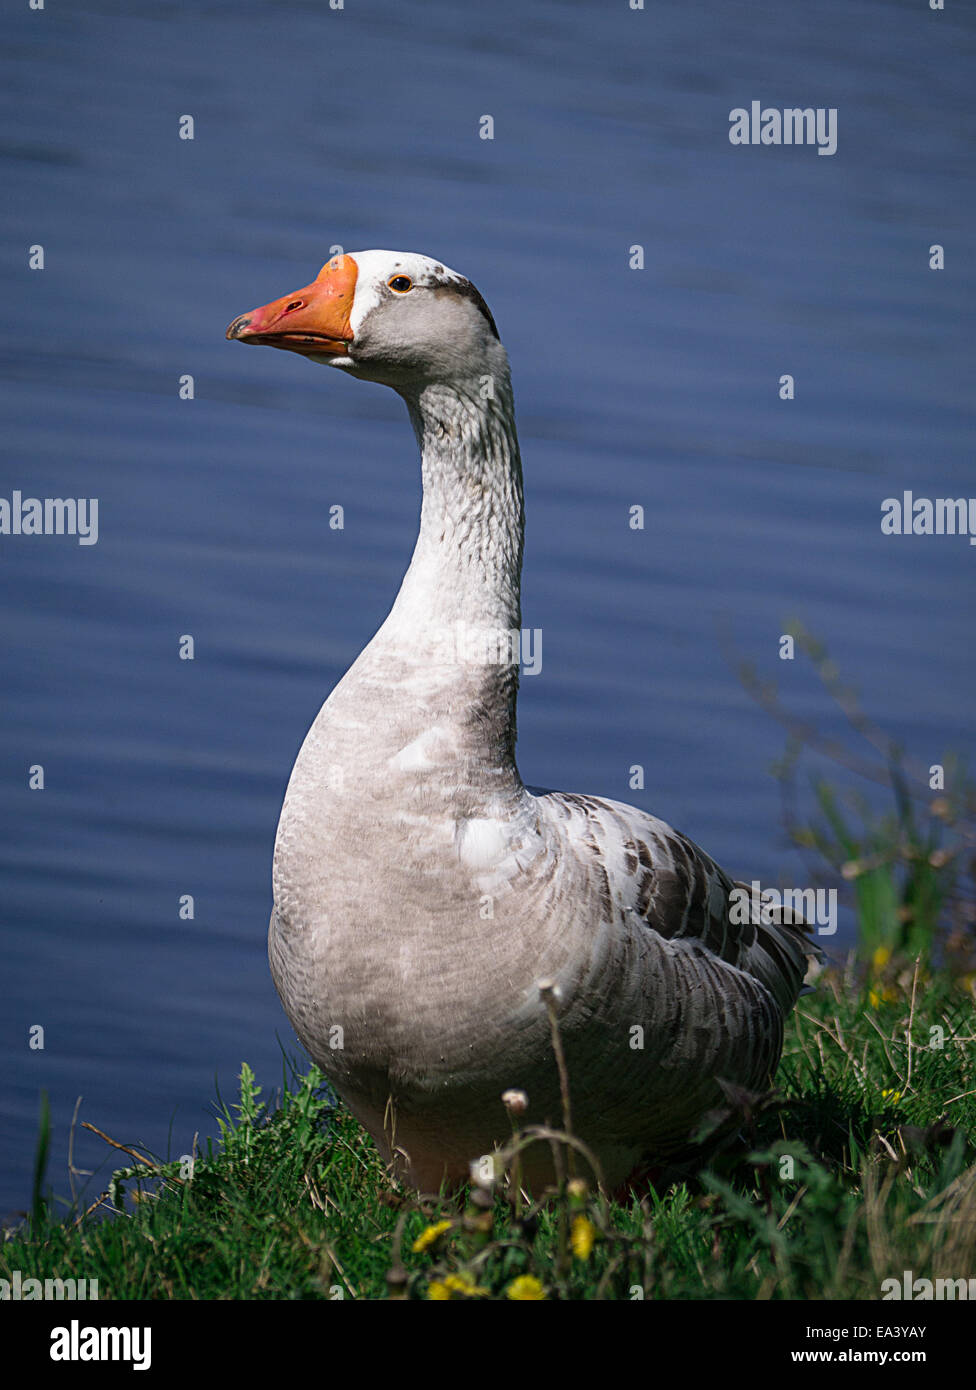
468,558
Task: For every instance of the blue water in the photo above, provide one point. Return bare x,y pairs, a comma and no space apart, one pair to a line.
657,387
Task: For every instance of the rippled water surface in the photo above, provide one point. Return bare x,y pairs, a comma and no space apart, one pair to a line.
655,387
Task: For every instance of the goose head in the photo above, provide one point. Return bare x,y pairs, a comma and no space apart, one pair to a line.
395,317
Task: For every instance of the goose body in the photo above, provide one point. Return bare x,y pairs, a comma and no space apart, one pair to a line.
421,890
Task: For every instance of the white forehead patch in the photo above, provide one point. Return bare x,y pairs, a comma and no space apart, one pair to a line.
377,267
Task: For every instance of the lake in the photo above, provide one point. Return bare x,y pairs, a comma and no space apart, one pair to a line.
656,387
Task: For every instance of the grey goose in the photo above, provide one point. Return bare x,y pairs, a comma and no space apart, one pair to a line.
421,891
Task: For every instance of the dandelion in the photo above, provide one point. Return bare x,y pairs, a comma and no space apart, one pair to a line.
429,1235
526,1289
515,1102
582,1236
548,990
454,1286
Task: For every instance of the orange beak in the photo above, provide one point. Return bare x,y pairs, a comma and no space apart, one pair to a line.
314,320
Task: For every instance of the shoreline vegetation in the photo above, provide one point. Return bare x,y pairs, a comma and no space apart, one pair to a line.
854,1178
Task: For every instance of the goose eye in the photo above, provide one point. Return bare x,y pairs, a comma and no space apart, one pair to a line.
400,283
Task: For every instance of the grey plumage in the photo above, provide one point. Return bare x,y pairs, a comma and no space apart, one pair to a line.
422,891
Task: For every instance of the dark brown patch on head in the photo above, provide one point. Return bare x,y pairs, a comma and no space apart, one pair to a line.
466,290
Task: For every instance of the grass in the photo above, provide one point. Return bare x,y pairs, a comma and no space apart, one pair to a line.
859,1166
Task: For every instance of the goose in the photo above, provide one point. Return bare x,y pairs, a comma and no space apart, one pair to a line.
423,895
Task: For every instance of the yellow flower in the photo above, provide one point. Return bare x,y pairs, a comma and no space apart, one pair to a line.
884,995
582,1235
881,957
526,1288
454,1286
429,1234
893,1096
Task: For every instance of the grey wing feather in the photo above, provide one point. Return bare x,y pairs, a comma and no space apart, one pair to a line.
681,893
